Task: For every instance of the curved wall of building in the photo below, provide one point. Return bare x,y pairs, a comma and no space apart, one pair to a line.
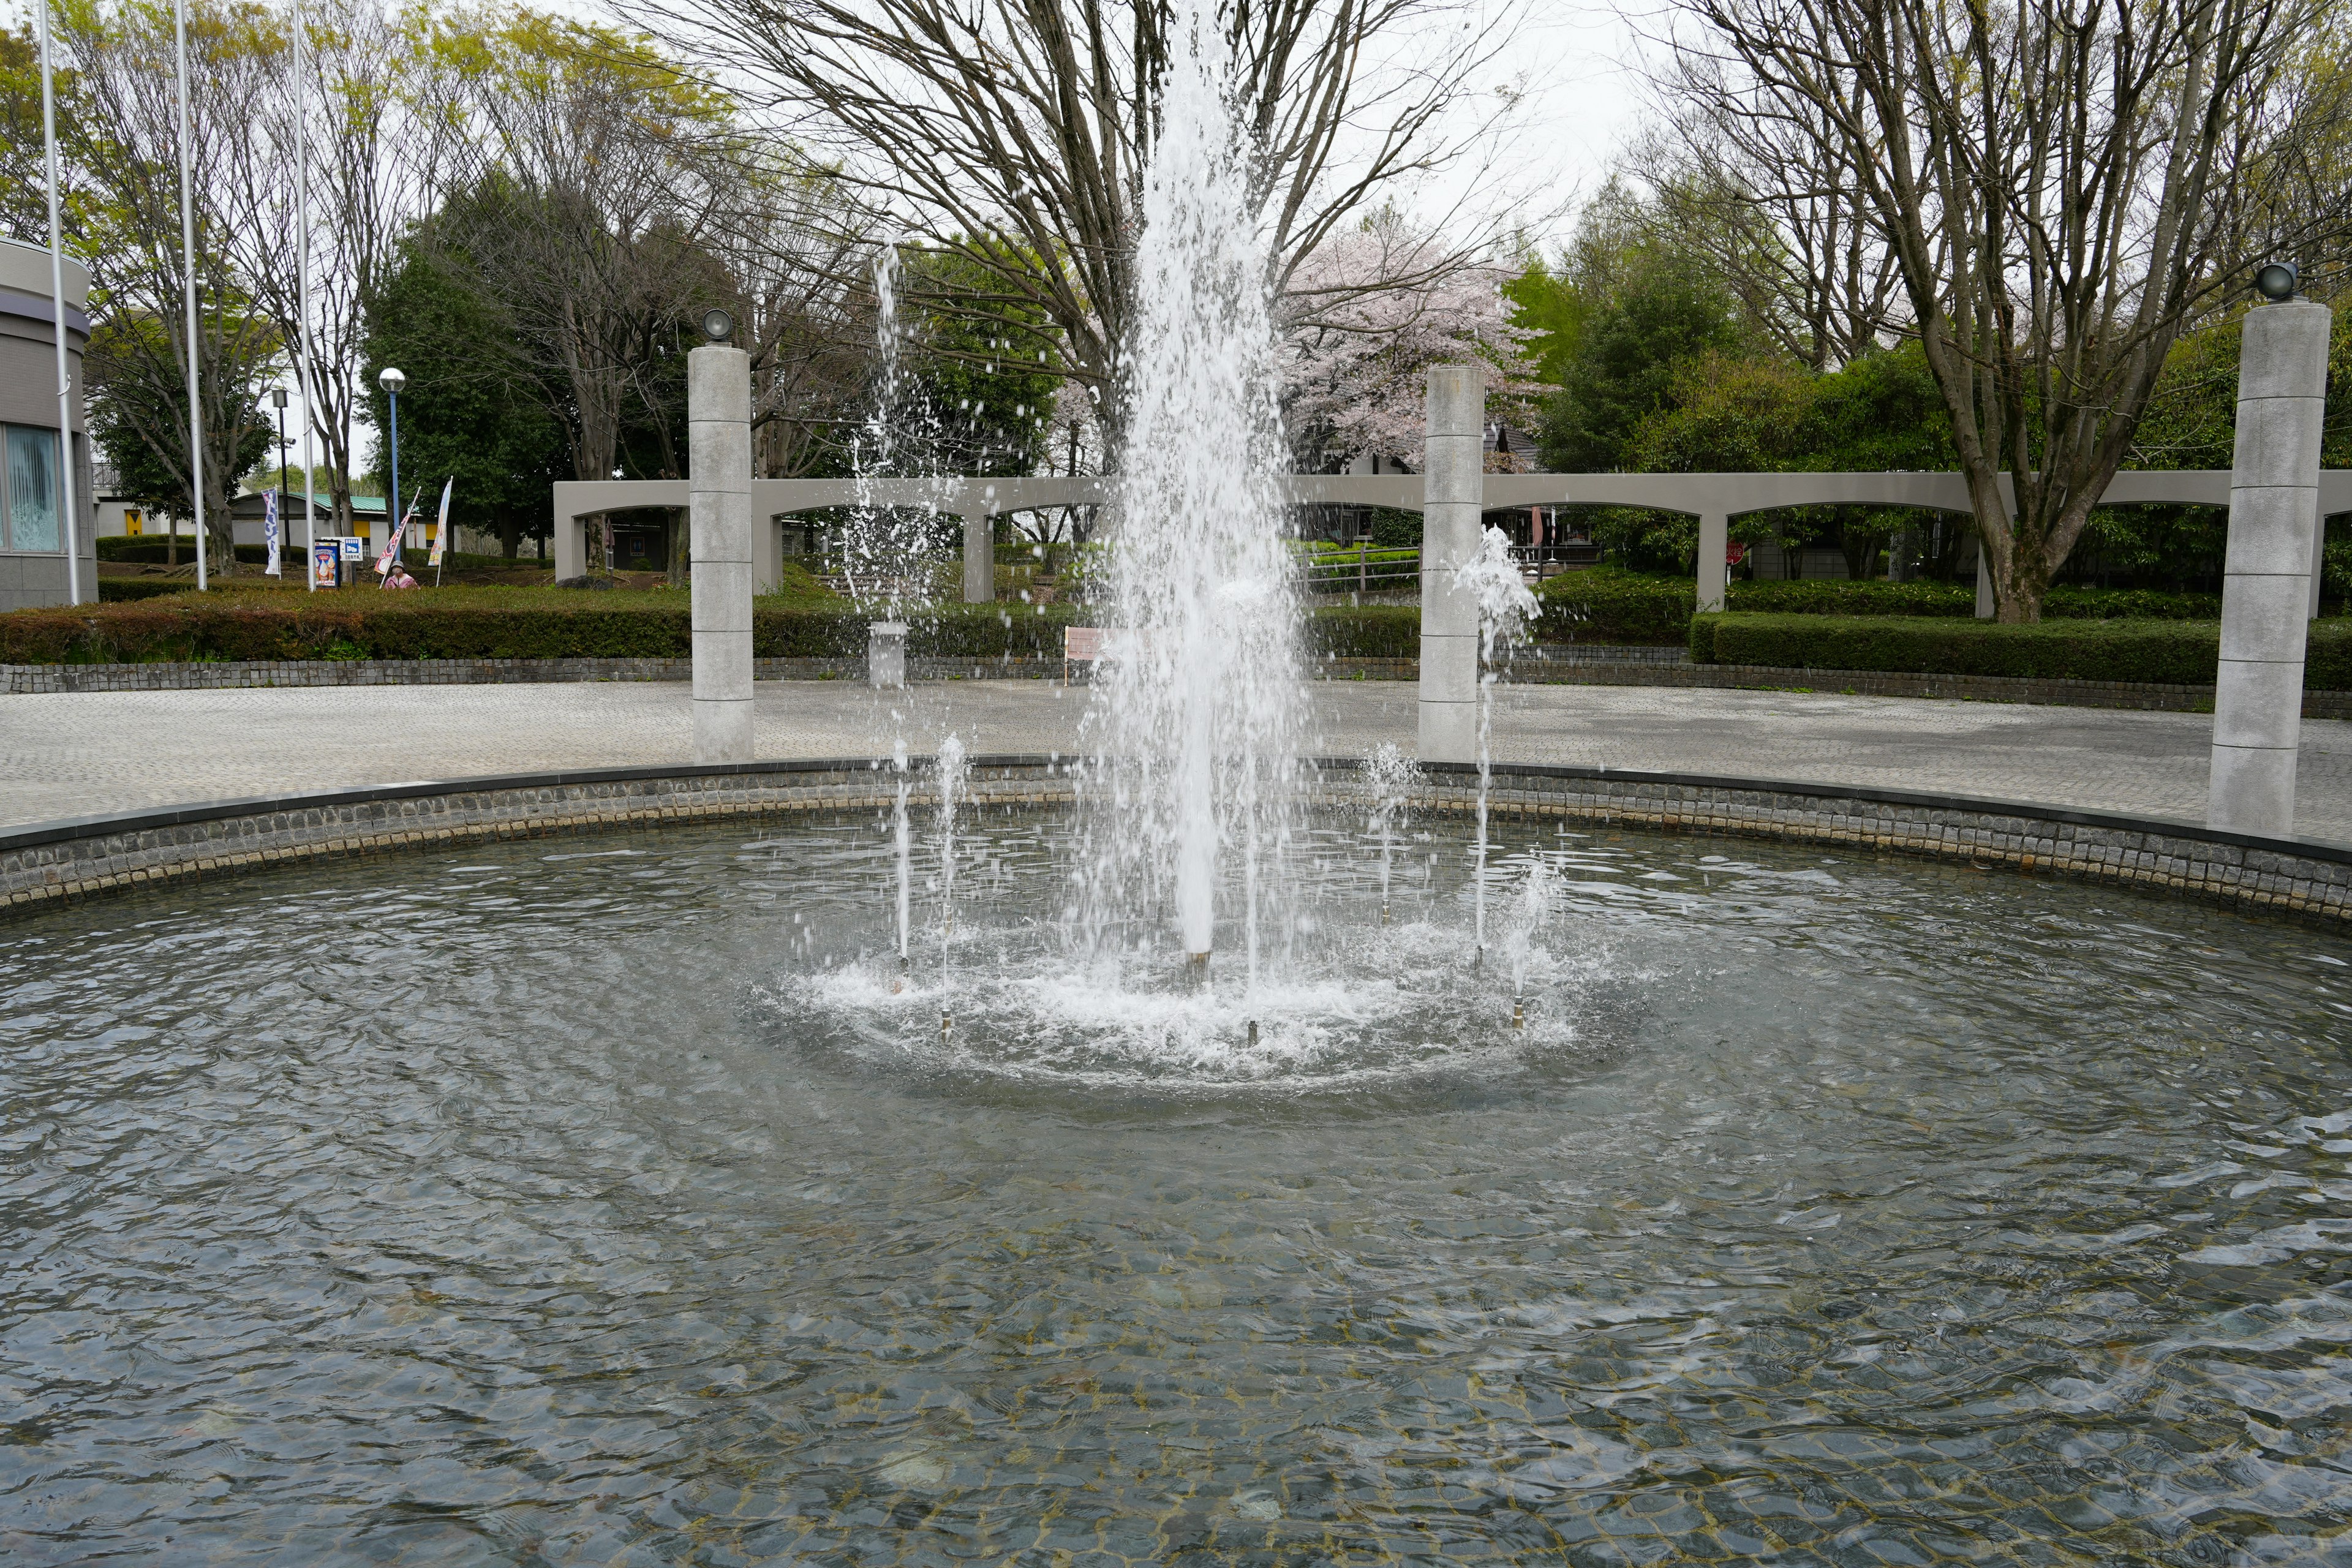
32,540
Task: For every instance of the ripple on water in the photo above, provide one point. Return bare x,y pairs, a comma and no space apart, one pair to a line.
510,1206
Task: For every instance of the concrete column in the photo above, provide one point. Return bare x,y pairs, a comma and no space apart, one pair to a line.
1713,543
2318,555
1454,487
571,548
767,554
980,555
2266,576
718,458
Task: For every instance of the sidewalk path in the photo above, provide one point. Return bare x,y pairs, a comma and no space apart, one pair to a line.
82,755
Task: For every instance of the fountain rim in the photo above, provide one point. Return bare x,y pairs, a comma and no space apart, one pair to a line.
44,864
68,829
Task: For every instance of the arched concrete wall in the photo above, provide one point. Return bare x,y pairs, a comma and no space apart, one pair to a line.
1713,498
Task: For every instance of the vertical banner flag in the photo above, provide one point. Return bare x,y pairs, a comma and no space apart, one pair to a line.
323,554
441,528
391,555
269,532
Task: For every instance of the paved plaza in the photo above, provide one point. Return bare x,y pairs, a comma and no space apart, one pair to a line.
84,754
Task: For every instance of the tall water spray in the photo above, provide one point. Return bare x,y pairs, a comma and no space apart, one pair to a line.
951,767
1389,775
1503,604
1197,705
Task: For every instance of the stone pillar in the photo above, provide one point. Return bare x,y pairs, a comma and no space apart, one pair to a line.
979,554
885,655
2318,555
718,459
1452,487
571,548
767,554
2266,576
1714,544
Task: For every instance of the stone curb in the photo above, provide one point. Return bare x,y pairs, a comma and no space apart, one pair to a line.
50,862
1549,664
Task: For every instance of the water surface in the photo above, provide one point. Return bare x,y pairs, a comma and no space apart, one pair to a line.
599,1200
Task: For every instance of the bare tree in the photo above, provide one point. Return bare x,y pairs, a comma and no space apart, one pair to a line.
372,141
1016,133
588,167
2066,185
127,158
1769,205
795,249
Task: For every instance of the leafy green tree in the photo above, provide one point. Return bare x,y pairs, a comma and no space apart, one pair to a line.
1631,348
989,396
140,418
473,410
1548,305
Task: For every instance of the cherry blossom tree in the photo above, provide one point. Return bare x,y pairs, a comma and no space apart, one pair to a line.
1355,353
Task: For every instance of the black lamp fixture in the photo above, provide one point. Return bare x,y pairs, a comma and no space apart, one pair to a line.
2276,281
718,325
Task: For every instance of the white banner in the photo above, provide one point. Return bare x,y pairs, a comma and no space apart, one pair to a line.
269,532
441,528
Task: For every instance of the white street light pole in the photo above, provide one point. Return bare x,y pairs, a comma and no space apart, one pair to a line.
188,281
391,380
302,284
71,518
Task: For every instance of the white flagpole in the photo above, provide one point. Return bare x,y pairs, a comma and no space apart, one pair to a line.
302,278
188,281
58,300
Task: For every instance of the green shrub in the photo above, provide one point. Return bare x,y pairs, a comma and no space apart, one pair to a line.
2167,651
1374,631
547,623
1602,605
1605,606
122,589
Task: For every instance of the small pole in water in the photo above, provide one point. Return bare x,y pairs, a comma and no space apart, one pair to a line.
947,1022
1253,1033
1518,1013
1478,959
1384,911
1196,967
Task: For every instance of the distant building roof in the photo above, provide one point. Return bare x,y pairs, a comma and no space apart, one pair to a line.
250,504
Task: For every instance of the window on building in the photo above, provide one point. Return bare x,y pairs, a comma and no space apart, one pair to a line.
32,489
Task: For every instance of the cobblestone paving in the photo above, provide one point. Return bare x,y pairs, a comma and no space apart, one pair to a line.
74,755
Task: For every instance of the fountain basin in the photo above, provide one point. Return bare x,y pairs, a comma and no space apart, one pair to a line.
596,1192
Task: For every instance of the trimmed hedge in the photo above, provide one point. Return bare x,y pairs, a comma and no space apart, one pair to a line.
1605,606
124,590
511,623
2167,652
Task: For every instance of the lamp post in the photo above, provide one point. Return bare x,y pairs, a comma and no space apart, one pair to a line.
67,510
277,401
188,291
392,381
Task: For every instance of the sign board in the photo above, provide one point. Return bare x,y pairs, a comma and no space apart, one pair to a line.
324,553
353,548
131,521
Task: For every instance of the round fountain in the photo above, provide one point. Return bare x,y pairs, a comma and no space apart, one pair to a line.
1249,1161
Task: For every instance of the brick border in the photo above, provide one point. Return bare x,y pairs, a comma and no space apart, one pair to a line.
46,864
1548,664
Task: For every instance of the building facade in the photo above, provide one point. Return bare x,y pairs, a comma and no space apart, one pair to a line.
33,535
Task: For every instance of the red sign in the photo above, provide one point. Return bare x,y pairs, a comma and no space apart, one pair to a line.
1734,553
